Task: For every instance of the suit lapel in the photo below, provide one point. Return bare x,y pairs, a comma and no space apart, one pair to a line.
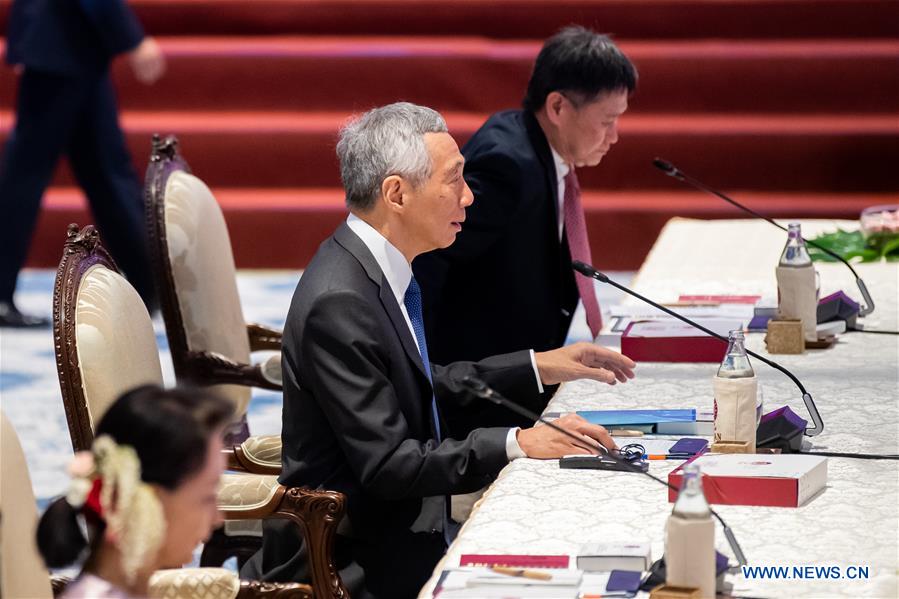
351,243
544,155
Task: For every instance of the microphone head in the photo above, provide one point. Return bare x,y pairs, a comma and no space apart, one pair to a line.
475,385
588,271
666,167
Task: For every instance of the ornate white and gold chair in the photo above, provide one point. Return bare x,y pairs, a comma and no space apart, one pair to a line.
23,573
195,275
105,345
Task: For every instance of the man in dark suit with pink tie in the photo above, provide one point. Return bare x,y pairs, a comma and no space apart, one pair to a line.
512,261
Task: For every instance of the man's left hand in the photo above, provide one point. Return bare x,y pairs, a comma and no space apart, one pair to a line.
583,361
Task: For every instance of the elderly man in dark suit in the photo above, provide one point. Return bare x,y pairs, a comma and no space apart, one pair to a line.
360,414
527,223
66,106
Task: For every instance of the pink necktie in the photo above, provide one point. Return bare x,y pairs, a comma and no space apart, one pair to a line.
579,246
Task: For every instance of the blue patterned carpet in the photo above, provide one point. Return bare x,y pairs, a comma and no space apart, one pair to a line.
29,388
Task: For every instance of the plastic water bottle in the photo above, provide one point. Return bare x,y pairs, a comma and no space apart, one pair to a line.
690,538
797,296
736,393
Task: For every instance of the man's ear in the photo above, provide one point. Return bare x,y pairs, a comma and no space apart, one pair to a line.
554,105
392,189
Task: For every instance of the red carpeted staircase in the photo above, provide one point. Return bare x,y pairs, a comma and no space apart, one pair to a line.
791,104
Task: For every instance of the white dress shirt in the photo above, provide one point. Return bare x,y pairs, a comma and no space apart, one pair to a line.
562,169
398,273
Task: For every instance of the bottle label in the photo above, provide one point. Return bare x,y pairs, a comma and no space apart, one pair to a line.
797,297
735,401
690,554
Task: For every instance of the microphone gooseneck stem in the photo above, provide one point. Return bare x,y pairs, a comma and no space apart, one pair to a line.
589,271
672,171
479,388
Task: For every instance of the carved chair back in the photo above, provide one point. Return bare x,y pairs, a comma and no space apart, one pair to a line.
103,334
194,268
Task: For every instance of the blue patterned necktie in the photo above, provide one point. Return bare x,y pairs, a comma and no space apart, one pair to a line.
412,301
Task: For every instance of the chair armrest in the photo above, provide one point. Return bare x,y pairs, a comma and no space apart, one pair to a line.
210,368
263,338
316,512
216,583
257,455
252,589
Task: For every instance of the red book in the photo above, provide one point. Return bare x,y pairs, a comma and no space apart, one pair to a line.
721,299
514,561
779,480
673,341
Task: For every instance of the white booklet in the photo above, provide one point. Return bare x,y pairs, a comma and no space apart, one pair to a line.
604,557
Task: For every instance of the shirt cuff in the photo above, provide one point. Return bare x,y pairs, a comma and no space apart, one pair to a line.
536,372
513,449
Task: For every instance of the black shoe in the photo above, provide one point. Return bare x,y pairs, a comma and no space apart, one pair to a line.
11,317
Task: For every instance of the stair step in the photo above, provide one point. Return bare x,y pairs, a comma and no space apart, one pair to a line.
521,18
477,75
622,225
765,152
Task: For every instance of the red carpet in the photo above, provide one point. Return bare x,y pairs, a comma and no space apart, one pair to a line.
791,100
283,228
780,152
534,19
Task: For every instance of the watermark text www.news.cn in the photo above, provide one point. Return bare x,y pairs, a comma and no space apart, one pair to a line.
805,572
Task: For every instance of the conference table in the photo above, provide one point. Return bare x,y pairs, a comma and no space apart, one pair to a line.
534,507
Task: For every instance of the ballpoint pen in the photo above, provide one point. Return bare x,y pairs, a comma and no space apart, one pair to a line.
521,572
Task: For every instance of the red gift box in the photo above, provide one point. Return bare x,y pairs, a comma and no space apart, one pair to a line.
662,341
780,480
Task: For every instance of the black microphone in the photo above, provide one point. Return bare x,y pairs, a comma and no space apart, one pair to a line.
589,271
481,389
672,171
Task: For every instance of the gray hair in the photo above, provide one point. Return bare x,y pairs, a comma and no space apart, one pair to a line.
382,142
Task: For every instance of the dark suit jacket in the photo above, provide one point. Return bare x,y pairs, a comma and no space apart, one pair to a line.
506,283
357,419
70,37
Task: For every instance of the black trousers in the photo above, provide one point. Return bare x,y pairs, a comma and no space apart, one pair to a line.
74,116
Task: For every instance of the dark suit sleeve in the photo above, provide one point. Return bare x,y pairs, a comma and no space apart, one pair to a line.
346,370
115,23
512,375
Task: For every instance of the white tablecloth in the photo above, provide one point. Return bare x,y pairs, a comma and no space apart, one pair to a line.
534,507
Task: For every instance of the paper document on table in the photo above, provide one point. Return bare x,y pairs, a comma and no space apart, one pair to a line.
741,311
669,327
462,583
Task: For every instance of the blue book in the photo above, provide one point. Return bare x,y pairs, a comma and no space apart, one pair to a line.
623,418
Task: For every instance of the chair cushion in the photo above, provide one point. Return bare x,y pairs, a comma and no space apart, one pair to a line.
264,450
205,277
115,339
196,583
24,574
246,492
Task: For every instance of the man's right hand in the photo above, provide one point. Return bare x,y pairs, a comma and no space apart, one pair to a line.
147,61
544,442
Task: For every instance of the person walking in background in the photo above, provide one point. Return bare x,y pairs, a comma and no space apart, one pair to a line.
61,50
